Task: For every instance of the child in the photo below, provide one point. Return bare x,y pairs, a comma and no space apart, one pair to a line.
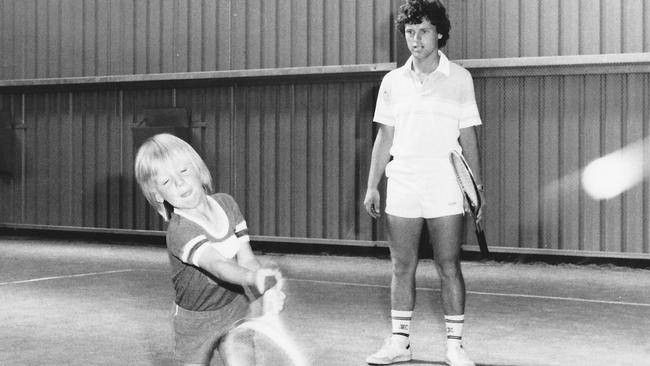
208,245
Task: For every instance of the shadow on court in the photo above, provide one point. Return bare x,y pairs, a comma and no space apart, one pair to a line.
441,363
79,303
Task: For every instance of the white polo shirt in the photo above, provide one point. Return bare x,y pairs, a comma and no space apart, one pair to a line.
427,117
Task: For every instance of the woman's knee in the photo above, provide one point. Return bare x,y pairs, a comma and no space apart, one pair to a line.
404,266
404,259
448,269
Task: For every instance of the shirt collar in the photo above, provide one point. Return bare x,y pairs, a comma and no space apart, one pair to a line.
443,64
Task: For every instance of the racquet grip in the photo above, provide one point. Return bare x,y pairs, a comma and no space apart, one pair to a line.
269,282
482,243
265,279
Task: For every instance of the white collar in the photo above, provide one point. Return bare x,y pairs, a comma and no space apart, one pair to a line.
202,223
443,64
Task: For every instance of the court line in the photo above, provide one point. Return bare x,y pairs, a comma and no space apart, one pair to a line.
502,294
65,276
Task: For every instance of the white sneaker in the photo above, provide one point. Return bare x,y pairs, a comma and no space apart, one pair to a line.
456,356
390,353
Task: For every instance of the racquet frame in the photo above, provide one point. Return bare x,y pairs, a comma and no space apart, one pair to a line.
469,189
270,325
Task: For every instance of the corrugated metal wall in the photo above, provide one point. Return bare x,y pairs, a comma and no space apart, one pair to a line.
62,38
522,28
294,154
539,133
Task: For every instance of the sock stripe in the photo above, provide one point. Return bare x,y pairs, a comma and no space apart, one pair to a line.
401,312
400,318
401,334
454,321
454,337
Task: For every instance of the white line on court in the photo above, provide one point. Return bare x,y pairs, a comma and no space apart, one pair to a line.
65,276
609,302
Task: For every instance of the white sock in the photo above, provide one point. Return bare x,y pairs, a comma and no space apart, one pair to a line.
454,326
401,324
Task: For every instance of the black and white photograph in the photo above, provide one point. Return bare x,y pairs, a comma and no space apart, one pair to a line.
324,182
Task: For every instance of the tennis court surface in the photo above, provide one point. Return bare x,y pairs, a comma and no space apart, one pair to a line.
82,303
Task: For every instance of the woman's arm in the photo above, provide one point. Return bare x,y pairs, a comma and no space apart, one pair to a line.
378,160
471,151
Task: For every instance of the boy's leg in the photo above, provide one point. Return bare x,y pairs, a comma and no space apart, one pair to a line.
446,233
404,239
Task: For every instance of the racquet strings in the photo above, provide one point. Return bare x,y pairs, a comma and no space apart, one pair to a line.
465,179
260,342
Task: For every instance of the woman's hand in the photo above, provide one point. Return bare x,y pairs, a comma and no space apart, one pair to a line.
371,202
479,214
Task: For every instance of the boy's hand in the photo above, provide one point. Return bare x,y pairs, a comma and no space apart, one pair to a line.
267,278
270,283
273,301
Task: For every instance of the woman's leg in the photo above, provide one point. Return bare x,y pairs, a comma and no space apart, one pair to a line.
445,235
404,239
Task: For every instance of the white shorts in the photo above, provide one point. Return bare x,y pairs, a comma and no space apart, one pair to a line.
428,193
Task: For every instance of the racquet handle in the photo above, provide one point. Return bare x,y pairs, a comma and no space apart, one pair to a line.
482,243
266,278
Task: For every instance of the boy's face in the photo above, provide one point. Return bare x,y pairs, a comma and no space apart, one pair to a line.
178,183
422,39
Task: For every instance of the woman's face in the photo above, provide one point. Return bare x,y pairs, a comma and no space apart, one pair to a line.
422,39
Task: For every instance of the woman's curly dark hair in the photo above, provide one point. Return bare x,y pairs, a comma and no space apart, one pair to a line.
415,11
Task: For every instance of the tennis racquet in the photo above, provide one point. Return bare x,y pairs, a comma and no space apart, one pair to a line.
263,340
470,190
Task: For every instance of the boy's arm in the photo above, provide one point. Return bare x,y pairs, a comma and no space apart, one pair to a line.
231,271
246,258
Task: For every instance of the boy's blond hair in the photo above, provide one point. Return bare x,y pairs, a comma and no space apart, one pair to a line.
164,149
